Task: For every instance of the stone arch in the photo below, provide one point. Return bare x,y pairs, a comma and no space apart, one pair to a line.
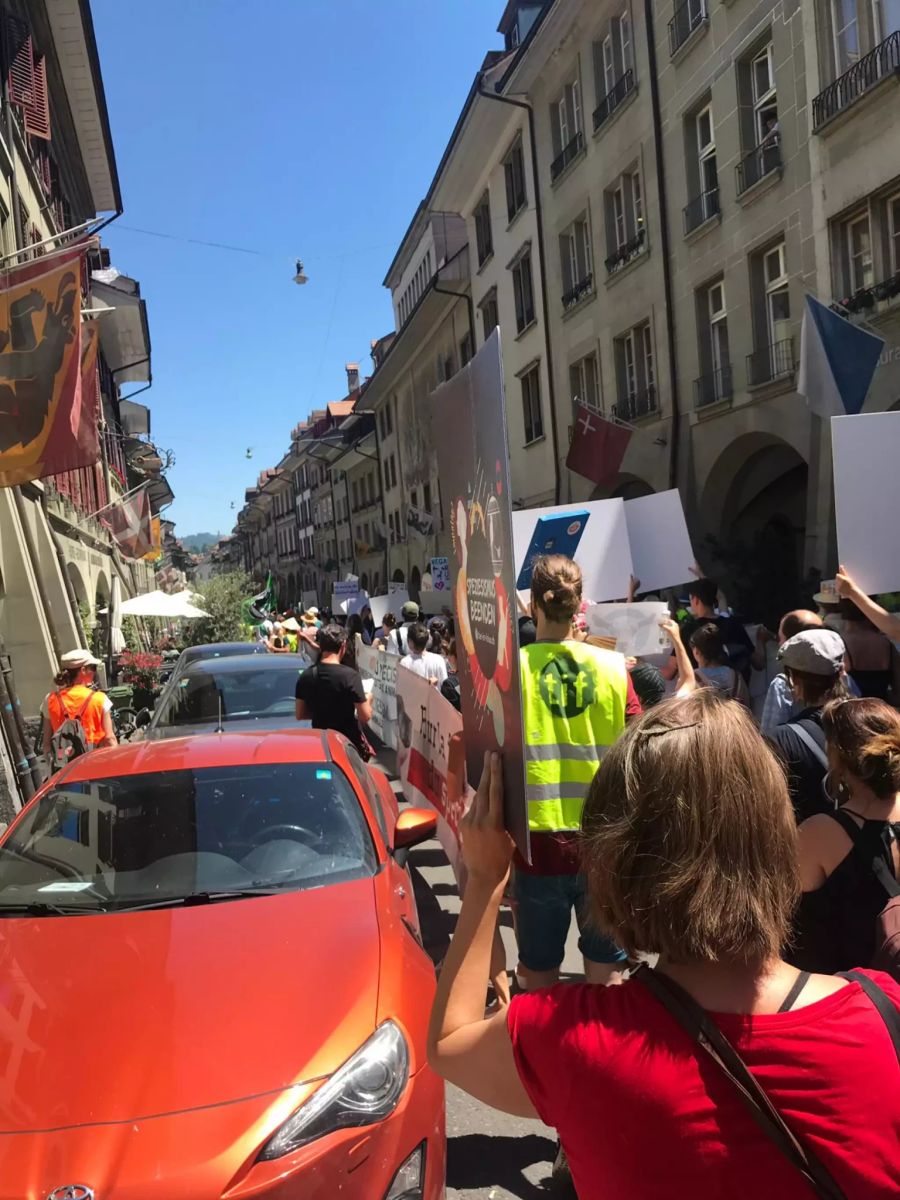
101,590
78,584
627,487
398,576
415,583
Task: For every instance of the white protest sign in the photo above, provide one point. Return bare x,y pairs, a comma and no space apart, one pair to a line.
310,600
440,574
660,546
603,553
395,588
345,587
431,760
379,606
381,668
866,452
634,626
431,603
349,602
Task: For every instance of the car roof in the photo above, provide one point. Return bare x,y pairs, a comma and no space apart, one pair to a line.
211,649
239,664
202,750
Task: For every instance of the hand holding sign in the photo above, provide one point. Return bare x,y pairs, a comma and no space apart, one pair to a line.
487,847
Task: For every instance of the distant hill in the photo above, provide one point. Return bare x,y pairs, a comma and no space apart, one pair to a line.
197,543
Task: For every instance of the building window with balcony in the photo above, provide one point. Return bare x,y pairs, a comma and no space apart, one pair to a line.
613,68
635,373
761,130
484,237
715,358
566,128
626,235
489,316
887,18
577,262
584,382
523,291
773,357
514,173
845,34
702,170
688,17
532,408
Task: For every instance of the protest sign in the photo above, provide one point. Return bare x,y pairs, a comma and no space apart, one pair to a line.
634,626
345,587
603,553
431,603
430,756
381,668
349,602
392,603
395,588
661,551
468,416
440,574
866,450
310,600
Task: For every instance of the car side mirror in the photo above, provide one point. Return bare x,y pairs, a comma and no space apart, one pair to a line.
143,718
414,826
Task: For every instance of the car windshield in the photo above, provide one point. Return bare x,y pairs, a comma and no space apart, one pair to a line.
185,836
226,688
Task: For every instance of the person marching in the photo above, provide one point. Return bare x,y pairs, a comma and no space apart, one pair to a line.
576,698
76,702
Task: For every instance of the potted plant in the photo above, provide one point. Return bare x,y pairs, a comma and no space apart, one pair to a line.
141,670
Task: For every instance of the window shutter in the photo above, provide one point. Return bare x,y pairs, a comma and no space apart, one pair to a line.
20,53
37,114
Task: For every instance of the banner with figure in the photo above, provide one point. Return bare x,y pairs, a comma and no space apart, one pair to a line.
468,417
45,427
431,756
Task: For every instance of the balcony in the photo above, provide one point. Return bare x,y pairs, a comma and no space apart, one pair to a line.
879,64
700,210
626,252
762,160
621,90
569,153
581,289
711,388
637,405
689,16
770,363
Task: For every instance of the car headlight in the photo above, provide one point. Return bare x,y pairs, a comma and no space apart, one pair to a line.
366,1089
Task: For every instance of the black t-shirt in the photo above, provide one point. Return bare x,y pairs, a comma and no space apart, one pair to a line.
330,692
805,769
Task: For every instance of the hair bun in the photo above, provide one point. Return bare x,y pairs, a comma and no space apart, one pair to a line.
549,596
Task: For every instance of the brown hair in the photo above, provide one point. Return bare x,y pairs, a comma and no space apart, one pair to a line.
865,736
690,843
708,640
67,676
816,690
556,586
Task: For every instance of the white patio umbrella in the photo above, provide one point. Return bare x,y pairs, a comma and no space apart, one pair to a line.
163,604
116,637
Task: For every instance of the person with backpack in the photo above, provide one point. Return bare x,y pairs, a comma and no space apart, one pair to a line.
713,668
850,858
396,641
331,695
77,717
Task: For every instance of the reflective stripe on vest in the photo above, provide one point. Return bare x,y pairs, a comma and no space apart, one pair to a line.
574,699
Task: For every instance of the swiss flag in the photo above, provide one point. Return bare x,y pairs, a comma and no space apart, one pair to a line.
598,446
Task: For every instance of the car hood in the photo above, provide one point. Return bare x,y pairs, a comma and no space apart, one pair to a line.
123,1016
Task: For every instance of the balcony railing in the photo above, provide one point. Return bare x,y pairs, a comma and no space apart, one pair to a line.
702,208
884,60
582,288
569,153
637,405
626,252
772,362
689,15
711,388
622,88
760,162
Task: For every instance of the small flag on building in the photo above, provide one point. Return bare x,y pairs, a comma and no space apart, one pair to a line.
597,447
129,521
837,361
46,427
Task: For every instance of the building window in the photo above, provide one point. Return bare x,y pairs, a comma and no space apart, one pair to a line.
532,411
584,382
625,232
765,101
715,382
858,236
758,109
577,261
397,525
565,123
613,68
484,238
887,18
773,357
523,292
703,175
845,30
466,349
688,16
514,171
388,416
489,316
893,217
426,497
635,373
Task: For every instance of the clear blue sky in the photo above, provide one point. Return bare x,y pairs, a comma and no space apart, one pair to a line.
296,128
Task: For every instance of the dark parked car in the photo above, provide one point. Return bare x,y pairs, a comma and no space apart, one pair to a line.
218,650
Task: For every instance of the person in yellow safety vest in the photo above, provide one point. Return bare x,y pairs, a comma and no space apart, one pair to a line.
576,698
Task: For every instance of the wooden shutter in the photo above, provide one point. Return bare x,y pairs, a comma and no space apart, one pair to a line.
20,52
37,114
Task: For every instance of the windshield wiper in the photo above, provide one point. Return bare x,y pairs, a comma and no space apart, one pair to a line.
198,898
43,908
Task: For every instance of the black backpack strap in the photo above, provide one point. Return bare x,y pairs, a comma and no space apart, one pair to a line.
886,1009
816,748
696,1022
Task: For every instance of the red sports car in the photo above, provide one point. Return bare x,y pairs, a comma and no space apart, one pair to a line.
211,980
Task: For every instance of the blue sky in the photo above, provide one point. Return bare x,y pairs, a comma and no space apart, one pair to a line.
294,128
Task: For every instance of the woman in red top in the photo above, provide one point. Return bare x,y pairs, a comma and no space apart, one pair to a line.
690,850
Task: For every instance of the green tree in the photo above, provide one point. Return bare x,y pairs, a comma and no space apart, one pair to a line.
222,598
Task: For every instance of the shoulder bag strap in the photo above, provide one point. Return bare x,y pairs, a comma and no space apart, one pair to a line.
809,742
886,1009
692,1018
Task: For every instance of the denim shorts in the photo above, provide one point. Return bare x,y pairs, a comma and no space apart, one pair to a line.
544,906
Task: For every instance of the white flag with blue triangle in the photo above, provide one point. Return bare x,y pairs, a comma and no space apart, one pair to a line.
837,361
